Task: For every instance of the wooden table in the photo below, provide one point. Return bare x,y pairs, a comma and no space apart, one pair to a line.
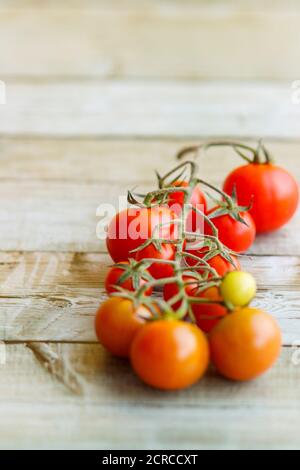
99,94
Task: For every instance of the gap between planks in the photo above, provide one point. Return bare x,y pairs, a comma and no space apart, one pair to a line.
50,190
53,297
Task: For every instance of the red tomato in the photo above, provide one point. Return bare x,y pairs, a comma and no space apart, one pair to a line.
170,354
274,191
235,235
159,270
218,262
177,198
130,228
194,221
207,315
113,276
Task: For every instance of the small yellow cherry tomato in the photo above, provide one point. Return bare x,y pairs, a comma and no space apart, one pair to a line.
238,288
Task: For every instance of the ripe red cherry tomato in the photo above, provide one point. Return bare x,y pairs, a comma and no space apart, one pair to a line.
208,315
115,274
274,191
159,270
130,228
221,265
234,234
194,221
117,322
170,354
177,198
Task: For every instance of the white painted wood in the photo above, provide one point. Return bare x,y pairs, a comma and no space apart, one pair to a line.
117,411
150,39
54,296
62,217
131,161
150,108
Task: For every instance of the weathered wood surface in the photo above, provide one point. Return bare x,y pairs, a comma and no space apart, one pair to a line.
150,108
79,176
108,414
99,93
190,39
54,297
98,161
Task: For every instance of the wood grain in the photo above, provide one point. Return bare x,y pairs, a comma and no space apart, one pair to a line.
109,414
54,296
99,93
150,39
62,217
101,160
151,109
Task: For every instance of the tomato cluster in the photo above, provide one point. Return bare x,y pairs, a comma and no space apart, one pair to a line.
173,244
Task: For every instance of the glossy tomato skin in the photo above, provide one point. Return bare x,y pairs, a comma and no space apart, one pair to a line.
117,322
238,288
218,262
176,201
178,197
112,279
159,270
233,234
245,344
170,354
208,315
274,191
130,228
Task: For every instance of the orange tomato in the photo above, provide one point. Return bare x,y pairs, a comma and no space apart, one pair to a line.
170,354
117,322
245,344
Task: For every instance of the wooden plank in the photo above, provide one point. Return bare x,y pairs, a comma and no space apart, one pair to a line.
54,296
177,109
166,39
154,5
117,411
58,216
111,160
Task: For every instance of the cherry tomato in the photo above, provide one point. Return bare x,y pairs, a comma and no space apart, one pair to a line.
117,322
159,270
115,274
220,264
194,221
176,199
235,235
274,191
206,315
130,228
245,344
238,288
170,354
